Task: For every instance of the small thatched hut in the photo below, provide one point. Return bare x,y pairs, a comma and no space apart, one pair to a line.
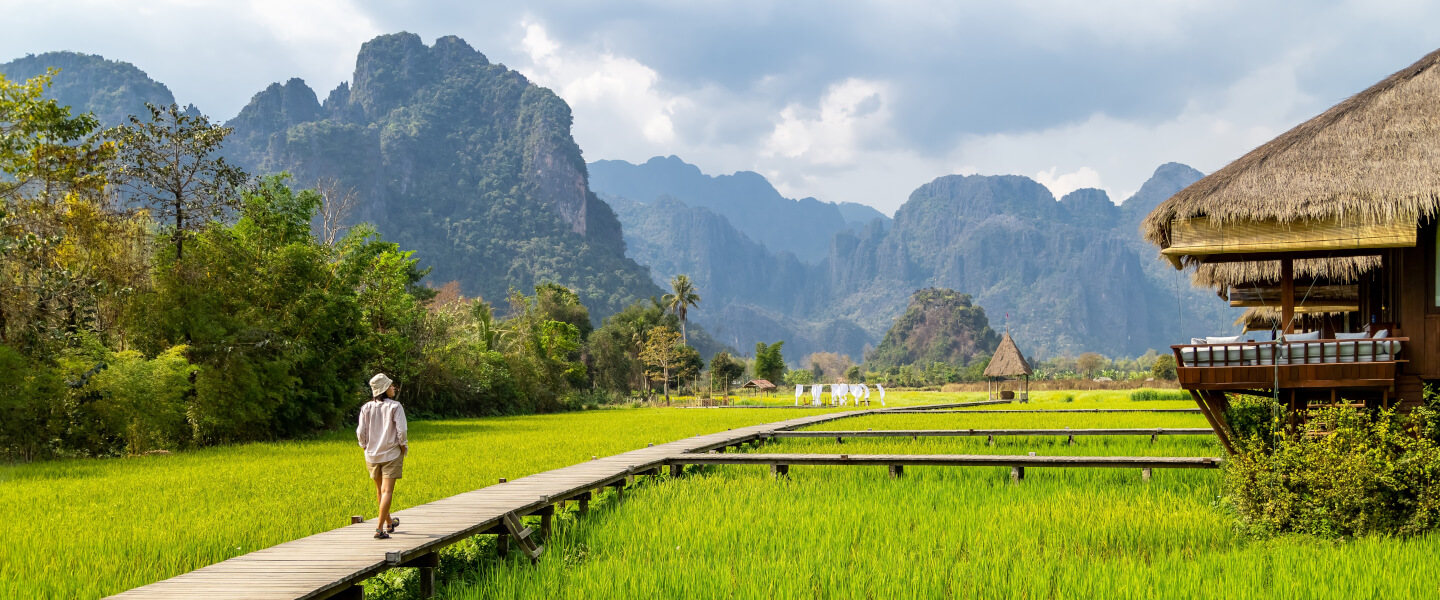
759,385
1007,364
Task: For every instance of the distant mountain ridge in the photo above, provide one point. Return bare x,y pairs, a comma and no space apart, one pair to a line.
113,90
754,207
1073,273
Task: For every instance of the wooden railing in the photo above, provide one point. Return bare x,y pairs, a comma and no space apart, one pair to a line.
1308,352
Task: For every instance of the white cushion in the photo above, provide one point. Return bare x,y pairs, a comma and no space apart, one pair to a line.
1222,340
1302,337
1359,335
1382,333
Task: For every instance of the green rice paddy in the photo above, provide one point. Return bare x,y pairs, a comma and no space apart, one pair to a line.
94,527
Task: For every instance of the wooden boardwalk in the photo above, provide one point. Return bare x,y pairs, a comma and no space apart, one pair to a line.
950,460
912,433
333,563
927,411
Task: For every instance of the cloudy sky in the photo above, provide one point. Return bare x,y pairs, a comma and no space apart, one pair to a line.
855,101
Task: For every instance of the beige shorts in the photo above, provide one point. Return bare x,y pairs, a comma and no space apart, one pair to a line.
394,469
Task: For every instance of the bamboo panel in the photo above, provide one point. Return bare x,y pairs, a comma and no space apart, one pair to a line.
1198,236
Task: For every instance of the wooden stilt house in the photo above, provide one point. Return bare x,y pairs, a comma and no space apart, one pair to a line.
1008,365
1328,232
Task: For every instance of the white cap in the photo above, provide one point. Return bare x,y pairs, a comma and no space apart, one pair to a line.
378,384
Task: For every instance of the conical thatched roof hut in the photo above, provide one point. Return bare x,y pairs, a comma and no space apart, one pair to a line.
1007,362
1357,177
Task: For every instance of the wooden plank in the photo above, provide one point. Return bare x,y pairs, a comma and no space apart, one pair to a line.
951,460
910,411
987,432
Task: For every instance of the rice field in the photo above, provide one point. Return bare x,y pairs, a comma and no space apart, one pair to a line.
948,532
94,527
88,528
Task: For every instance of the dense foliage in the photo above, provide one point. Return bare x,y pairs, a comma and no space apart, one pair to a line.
939,326
1344,473
155,297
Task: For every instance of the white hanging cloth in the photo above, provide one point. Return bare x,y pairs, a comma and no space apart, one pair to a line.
866,389
816,392
799,389
838,393
882,393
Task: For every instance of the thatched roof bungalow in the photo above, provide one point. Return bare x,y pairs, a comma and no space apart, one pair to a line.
1334,219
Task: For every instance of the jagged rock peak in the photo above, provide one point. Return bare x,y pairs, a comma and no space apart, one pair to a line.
391,67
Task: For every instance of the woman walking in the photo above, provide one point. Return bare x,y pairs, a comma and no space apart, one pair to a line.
382,435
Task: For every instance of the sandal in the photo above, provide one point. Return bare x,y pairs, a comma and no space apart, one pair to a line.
381,535
394,522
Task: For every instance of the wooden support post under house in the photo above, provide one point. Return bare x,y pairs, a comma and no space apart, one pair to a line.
896,471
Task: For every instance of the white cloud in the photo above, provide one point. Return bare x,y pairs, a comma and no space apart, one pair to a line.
620,111
851,113
1064,183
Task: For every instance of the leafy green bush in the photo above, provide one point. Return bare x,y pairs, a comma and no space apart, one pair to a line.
1362,474
144,399
1252,418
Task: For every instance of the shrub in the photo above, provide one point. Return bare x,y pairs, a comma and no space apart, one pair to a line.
1164,368
1368,474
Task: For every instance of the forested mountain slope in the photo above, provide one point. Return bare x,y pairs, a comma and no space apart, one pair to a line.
462,160
113,90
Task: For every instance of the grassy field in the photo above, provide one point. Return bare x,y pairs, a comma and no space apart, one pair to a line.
842,532
92,527
87,528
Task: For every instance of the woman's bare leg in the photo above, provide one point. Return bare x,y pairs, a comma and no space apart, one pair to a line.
387,489
379,488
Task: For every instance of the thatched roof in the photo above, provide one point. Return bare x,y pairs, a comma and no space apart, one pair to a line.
1336,270
1374,158
762,384
1007,362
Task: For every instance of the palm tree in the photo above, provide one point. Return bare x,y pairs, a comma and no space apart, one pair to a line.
680,300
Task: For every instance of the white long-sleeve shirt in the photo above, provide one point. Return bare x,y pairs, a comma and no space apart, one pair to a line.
382,430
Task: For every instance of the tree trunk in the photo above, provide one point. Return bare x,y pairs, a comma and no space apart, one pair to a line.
666,383
684,339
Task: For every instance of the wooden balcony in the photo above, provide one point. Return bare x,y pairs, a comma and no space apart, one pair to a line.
1328,363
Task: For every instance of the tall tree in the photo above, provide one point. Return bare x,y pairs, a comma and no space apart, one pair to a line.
171,164
724,369
664,351
769,362
680,299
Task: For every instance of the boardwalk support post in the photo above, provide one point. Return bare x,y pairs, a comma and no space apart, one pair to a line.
1017,474
584,503
677,470
1145,473
896,471
547,517
779,471
989,440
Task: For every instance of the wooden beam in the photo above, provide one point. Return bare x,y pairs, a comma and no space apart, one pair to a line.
1214,424
1287,294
